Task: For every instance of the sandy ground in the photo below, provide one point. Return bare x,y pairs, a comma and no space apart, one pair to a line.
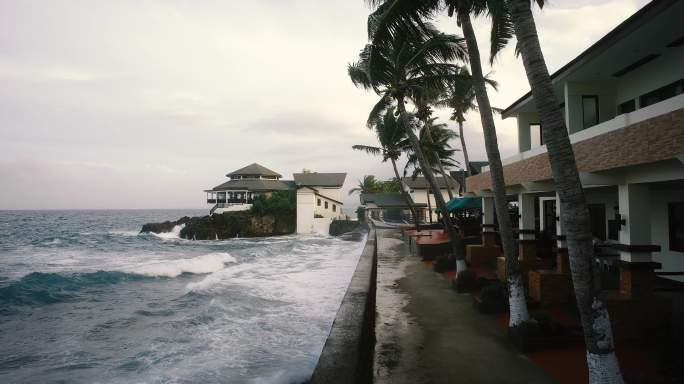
427,333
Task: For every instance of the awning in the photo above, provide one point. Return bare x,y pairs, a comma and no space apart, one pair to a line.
463,203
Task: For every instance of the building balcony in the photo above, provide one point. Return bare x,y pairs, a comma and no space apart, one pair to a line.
230,201
650,134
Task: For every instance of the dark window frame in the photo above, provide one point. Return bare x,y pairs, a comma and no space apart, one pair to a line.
334,208
676,245
598,112
319,202
326,205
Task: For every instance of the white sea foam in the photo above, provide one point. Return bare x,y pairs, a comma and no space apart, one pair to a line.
199,265
174,234
54,241
127,233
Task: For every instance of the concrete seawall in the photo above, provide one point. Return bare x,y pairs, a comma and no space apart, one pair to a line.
347,355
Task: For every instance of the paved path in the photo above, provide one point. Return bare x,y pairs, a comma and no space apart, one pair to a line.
427,333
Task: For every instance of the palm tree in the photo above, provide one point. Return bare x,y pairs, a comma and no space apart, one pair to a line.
460,97
435,142
368,185
516,16
397,69
394,15
422,102
392,140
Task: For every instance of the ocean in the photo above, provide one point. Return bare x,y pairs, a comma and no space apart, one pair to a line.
85,298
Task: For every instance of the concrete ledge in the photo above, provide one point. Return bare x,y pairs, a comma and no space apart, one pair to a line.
347,355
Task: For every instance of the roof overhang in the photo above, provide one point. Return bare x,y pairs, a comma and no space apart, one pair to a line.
627,44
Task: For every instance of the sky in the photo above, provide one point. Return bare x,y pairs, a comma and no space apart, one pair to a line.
145,104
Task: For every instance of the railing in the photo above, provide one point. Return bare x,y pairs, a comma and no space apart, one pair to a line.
230,201
347,356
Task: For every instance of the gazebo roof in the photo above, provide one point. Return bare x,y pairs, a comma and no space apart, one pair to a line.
254,169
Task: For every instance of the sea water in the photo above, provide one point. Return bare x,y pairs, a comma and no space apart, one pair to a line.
85,298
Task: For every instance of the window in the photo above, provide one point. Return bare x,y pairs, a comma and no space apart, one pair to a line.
660,94
590,111
319,202
627,107
536,138
334,208
326,205
676,226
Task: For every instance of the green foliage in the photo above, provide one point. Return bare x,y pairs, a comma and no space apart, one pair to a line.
281,203
361,213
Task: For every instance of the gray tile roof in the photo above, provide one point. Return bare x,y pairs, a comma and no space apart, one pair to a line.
387,200
254,169
256,185
421,182
316,179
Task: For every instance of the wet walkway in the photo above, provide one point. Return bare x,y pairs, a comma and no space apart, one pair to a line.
427,333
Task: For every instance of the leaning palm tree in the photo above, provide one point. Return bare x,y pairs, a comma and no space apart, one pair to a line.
397,69
435,141
395,15
392,140
422,102
515,16
460,98
368,185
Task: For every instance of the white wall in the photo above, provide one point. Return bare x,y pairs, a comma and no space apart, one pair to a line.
659,72
524,137
233,208
305,210
573,102
332,193
419,196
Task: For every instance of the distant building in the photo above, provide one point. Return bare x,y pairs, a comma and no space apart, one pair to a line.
318,194
420,192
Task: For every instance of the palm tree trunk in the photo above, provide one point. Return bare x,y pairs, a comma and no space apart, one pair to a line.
601,359
439,163
456,241
516,291
463,147
406,196
427,193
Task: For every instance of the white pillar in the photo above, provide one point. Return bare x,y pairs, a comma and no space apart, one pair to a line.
634,209
526,219
488,214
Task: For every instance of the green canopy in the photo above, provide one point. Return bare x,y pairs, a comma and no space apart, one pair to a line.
463,203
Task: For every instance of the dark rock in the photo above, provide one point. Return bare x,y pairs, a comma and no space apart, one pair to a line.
228,225
338,227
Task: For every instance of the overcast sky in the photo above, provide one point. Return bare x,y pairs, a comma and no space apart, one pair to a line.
144,104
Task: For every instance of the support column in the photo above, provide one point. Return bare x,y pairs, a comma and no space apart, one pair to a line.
485,254
527,246
562,260
488,228
637,277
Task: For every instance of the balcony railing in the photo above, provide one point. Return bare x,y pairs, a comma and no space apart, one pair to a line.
229,201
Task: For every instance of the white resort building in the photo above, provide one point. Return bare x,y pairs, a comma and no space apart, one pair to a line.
623,100
318,194
422,195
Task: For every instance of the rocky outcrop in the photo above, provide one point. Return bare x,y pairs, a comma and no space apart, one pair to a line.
227,226
339,227
166,226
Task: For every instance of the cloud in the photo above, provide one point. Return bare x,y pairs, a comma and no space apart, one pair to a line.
108,103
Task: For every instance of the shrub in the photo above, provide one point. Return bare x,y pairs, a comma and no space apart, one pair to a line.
281,203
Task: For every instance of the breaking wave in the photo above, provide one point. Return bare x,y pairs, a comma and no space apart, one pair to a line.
174,234
199,265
